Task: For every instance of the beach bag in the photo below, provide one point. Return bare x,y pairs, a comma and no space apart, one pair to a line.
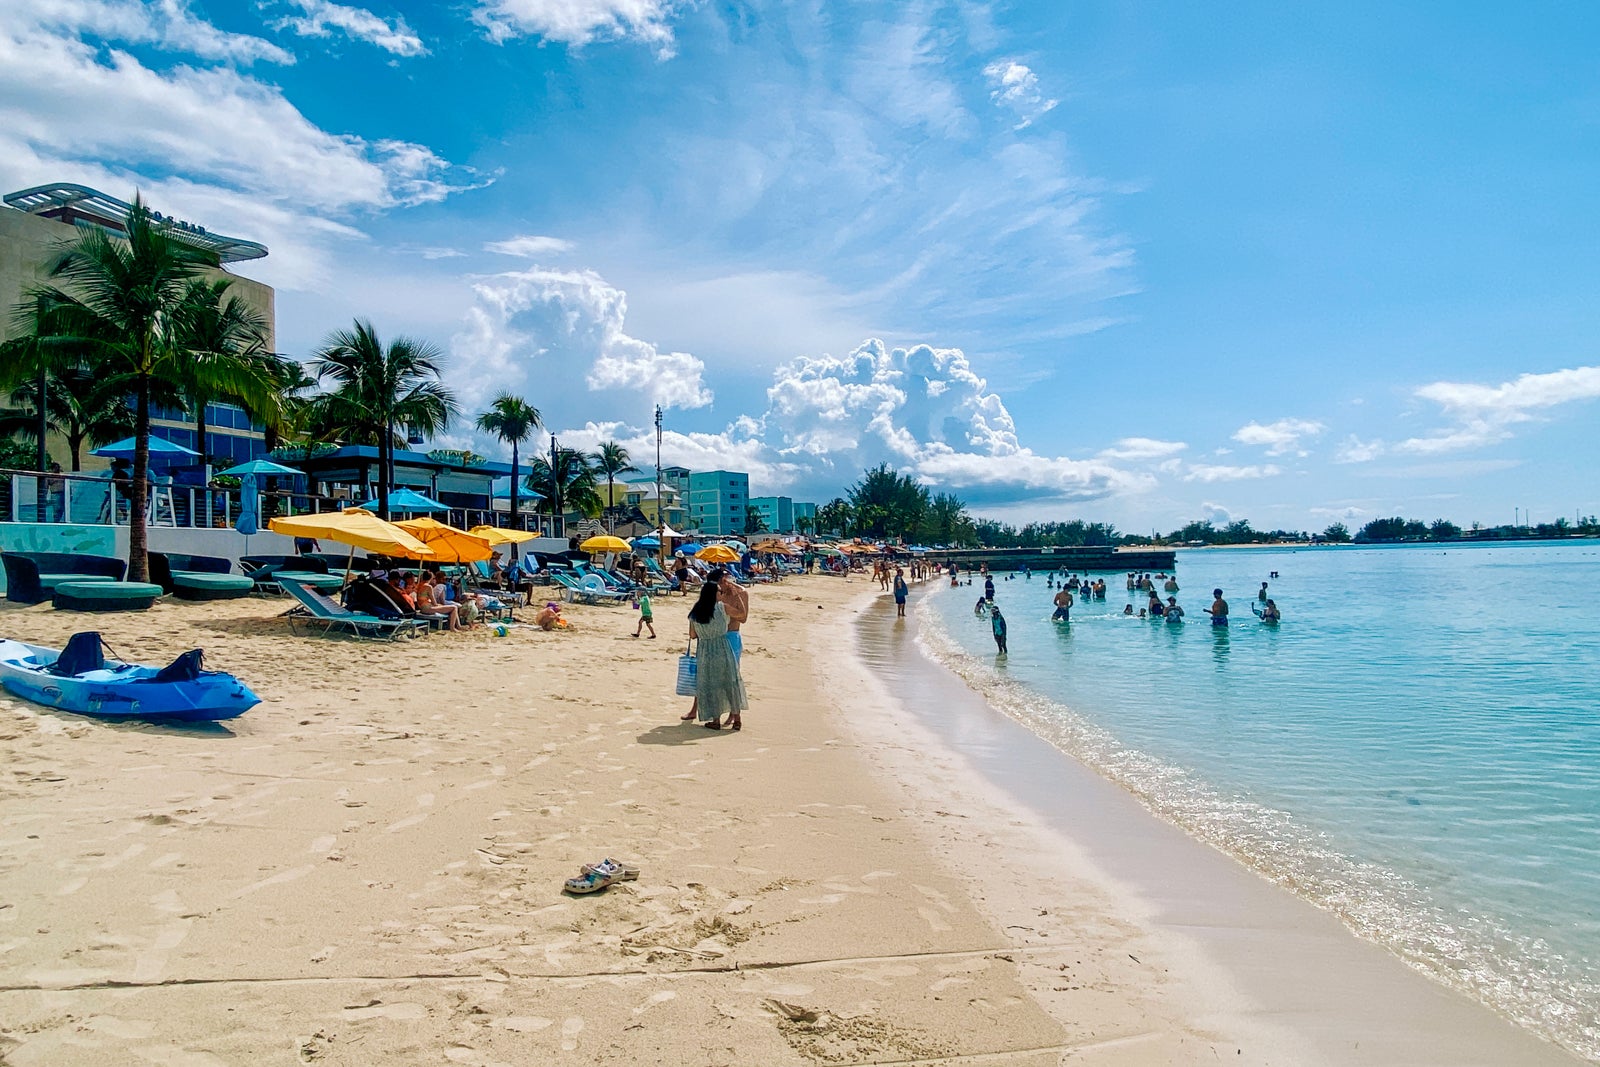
687,677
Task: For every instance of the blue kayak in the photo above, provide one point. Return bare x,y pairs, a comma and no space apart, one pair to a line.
80,679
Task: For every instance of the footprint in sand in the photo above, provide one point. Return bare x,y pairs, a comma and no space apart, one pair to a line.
569,1033
655,999
525,1024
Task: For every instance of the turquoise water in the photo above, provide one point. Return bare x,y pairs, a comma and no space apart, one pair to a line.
1416,747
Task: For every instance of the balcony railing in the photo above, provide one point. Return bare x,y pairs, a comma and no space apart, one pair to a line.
97,500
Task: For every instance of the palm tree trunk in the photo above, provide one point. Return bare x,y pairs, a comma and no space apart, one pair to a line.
385,449
611,503
75,444
138,538
514,477
43,398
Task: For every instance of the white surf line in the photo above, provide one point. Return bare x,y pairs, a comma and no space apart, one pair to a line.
1004,953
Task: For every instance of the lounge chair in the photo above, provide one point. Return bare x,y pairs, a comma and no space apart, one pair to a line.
321,609
31,577
589,589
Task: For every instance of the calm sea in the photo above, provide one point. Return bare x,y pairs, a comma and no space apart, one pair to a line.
1416,747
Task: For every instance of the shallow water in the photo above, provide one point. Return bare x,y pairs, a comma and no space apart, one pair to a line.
1415,747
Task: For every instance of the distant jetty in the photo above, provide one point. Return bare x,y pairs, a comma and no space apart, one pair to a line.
1069,558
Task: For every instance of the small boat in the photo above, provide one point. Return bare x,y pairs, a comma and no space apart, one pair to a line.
79,678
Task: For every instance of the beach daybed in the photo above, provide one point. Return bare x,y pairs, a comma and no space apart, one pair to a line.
198,577
307,570
31,577
104,596
319,609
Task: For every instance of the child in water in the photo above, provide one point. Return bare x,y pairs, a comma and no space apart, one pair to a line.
998,621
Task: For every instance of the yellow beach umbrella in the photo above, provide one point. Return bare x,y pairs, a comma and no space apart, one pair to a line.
779,547
499,535
446,543
717,554
604,543
353,527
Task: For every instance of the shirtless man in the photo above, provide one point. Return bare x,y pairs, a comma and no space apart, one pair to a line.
736,602
1063,610
1218,609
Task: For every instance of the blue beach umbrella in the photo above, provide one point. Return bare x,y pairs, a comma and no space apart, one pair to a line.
689,548
647,541
408,500
260,466
161,450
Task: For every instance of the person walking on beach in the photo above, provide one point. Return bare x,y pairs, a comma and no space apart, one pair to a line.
719,690
1218,609
646,617
900,591
1063,612
998,622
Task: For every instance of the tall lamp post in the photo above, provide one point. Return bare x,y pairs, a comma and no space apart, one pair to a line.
557,527
661,510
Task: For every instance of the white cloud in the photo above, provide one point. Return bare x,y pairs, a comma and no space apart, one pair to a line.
580,22
529,246
1015,86
1206,472
547,332
322,17
1142,448
1355,450
1281,437
1215,513
166,24
1485,413
208,143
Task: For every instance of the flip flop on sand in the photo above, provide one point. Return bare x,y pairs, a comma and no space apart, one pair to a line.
592,882
615,869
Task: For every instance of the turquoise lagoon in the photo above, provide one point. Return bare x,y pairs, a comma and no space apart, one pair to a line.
1416,747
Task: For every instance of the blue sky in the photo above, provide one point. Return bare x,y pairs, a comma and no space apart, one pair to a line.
1135,263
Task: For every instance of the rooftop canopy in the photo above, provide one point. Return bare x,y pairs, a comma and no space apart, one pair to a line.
78,203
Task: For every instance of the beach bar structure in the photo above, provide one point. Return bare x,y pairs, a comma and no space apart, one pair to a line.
1066,557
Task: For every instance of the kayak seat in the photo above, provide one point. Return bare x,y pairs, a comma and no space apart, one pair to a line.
186,668
82,654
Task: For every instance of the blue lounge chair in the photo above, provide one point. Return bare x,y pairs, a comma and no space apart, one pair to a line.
589,589
331,615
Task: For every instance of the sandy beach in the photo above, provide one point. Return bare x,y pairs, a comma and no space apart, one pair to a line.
367,868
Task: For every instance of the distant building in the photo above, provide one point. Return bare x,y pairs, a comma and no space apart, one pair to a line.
717,501
641,494
805,509
37,224
777,512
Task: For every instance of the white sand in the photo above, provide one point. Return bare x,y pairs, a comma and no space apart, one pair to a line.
367,869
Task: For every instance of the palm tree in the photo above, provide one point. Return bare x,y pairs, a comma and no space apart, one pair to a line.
573,483
377,390
513,420
754,523
218,327
124,302
80,405
612,460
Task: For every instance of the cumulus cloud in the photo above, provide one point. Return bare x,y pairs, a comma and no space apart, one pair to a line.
580,22
1485,414
319,18
529,246
1014,86
207,142
1208,472
1279,438
542,331
1482,414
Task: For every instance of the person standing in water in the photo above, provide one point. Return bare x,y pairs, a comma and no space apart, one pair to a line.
1218,609
988,589
1262,596
998,622
1063,612
900,592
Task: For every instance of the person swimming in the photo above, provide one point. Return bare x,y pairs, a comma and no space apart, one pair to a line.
1174,610
1127,609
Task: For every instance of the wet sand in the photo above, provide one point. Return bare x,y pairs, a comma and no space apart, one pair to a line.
367,868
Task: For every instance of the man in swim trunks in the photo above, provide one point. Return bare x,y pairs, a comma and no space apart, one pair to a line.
1063,610
736,602
1218,609
988,589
